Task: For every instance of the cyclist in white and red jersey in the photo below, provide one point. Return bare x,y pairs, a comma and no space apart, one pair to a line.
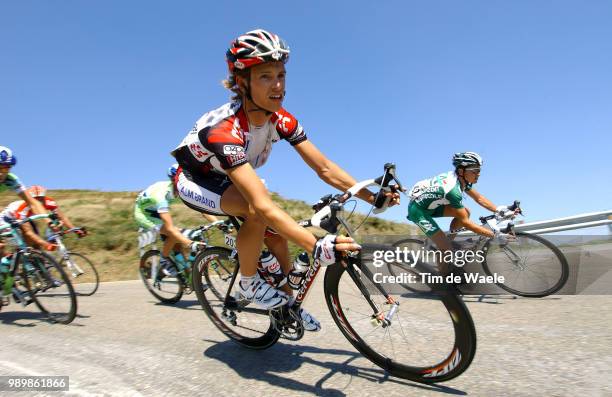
20,210
218,158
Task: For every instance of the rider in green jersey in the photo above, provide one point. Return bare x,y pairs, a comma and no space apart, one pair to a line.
442,196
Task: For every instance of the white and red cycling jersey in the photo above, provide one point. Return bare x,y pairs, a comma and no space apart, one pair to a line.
20,209
223,139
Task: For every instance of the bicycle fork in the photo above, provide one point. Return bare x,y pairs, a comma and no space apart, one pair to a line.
513,256
378,317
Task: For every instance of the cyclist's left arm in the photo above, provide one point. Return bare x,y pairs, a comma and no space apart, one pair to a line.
481,200
171,230
464,218
209,218
331,173
64,219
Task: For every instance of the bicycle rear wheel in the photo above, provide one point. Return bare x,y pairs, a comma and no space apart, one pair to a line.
48,286
167,289
239,320
532,266
431,337
84,276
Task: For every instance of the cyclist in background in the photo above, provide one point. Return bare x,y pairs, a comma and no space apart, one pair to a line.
20,210
10,181
219,156
152,212
442,196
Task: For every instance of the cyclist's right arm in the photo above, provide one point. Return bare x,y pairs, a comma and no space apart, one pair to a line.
210,218
255,193
35,239
35,205
171,230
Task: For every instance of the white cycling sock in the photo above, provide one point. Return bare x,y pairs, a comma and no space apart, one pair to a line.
247,281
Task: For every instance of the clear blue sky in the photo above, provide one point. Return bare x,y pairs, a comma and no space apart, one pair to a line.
95,94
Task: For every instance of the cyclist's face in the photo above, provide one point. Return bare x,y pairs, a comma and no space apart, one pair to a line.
471,175
4,170
268,85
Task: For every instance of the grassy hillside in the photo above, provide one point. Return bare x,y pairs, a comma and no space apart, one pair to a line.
113,245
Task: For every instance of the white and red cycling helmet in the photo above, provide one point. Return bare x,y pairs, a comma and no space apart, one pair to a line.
37,191
256,47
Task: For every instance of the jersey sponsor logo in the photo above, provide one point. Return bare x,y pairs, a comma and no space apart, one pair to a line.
284,123
197,197
275,267
197,150
232,150
233,160
426,226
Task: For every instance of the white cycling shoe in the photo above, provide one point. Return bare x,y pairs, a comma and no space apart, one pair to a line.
262,294
310,323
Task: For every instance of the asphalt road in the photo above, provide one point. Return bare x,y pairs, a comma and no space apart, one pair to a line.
125,343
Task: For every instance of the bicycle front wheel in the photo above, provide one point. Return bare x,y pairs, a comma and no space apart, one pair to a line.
48,286
84,276
430,337
166,288
239,320
400,268
531,266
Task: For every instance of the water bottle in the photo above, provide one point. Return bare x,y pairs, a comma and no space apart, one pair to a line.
180,260
270,269
7,278
5,263
300,267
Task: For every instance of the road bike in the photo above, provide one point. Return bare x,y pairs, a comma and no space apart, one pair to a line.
36,277
85,278
169,286
422,338
531,266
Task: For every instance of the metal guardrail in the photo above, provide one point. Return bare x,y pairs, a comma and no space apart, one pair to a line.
568,223
582,221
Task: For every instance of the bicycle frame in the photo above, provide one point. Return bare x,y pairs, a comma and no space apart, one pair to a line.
322,219
64,253
22,249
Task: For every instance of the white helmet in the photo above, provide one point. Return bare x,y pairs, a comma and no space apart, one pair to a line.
466,159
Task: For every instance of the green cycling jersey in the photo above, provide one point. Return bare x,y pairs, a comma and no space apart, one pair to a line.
13,183
151,202
441,190
429,196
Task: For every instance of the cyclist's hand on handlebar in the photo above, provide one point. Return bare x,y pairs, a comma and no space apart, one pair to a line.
50,247
55,226
393,195
328,250
501,209
81,233
504,238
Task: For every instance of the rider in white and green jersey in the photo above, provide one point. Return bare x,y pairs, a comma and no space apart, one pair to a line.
442,196
152,211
